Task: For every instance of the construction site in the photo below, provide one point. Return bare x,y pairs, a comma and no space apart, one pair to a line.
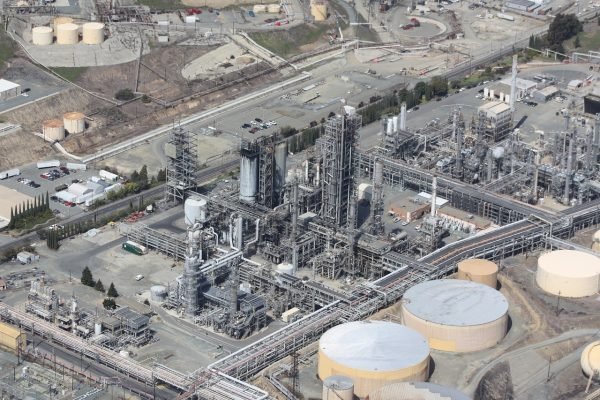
298,247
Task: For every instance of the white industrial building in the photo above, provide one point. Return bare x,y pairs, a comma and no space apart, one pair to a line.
88,192
9,89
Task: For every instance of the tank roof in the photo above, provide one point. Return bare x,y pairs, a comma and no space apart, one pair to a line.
376,346
45,29
478,266
53,123
571,263
74,115
67,27
455,302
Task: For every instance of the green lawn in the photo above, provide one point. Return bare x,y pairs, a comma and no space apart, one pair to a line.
69,73
7,48
287,43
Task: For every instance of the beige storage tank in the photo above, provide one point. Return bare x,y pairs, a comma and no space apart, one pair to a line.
590,359
74,122
596,241
338,387
42,36
373,354
273,8
568,273
53,129
478,270
318,9
93,33
11,338
416,390
67,34
61,20
259,8
456,315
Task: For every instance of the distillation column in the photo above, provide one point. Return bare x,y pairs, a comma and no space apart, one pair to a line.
377,200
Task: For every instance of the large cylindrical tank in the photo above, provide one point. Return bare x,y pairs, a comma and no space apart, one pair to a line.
195,210
456,315
273,8
486,92
596,241
478,270
97,328
416,390
67,34
373,354
53,129
61,20
568,273
259,8
42,36
158,293
74,122
286,268
590,359
338,387
93,33
248,177
281,151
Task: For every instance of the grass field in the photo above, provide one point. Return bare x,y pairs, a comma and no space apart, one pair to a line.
288,43
7,48
69,73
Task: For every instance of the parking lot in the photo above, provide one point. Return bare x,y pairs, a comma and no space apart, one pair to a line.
31,183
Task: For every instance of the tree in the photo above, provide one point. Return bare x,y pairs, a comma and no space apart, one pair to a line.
109,304
143,179
86,277
124,95
112,292
99,286
577,42
439,86
161,176
563,27
135,176
421,90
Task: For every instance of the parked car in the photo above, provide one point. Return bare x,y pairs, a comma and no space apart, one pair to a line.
258,120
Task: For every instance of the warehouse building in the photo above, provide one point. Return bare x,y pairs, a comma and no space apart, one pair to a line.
11,338
9,89
545,94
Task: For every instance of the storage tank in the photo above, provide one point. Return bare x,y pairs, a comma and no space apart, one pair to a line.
248,177
590,359
478,270
568,273
318,9
507,98
195,210
281,151
61,20
53,129
259,8
338,387
286,268
158,293
372,354
417,390
67,34
97,328
274,8
492,94
486,93
42,36
596,241
93,33
74,122
456,315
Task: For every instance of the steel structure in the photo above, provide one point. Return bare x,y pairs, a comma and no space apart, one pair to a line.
182,165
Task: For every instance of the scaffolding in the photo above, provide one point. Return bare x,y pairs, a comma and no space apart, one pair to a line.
266,168
182,164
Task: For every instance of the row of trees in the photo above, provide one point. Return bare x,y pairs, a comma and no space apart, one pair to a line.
57,233
30,213
88,280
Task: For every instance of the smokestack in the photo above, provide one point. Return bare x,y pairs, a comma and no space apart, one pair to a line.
403,116
433,195
513,84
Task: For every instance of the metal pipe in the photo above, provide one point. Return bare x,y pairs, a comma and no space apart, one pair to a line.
433,195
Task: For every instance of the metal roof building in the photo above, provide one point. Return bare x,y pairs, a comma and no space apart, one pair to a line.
9,89
456,315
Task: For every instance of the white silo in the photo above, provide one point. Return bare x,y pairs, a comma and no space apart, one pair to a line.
42,36
486,93
97,328
61,20
395,123
74,122
53,129
338,387
195,210
67,34
501,96
93,33
390,126
248,177
274,8
568,273
372,354
507,98
456,315
492,94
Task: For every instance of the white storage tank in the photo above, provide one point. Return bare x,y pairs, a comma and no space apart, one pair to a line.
568,273
590,359
61,20
158,293
67,34
249,177
456,315
97,328
195,210
596,241
373,354
53,129
286,268
42,36
417,390
93,33
338,387
478,270
274,8
486,93
259,8
74,122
